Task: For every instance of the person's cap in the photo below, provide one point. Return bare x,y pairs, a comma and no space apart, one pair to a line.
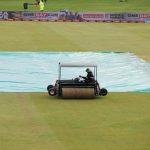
88,70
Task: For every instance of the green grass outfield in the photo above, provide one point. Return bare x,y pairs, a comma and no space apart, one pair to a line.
35,121
43,36
81,5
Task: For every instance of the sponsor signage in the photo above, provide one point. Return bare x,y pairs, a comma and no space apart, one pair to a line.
40,15
73,16
93,15
132,17
117,16
108,16
143,15
102,16
1,15
5,15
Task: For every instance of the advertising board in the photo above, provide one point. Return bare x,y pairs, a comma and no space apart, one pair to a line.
40,15
75,16
5,15
99,16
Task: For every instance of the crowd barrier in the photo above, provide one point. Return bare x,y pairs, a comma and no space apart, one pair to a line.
75,16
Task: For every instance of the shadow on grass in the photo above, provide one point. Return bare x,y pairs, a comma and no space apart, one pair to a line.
56,98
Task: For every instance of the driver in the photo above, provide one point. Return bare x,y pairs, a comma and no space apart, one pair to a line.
90,77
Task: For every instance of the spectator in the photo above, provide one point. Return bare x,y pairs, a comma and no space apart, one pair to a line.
40,3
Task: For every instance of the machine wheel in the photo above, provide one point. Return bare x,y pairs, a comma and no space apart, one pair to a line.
51,92
49,87
103,92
